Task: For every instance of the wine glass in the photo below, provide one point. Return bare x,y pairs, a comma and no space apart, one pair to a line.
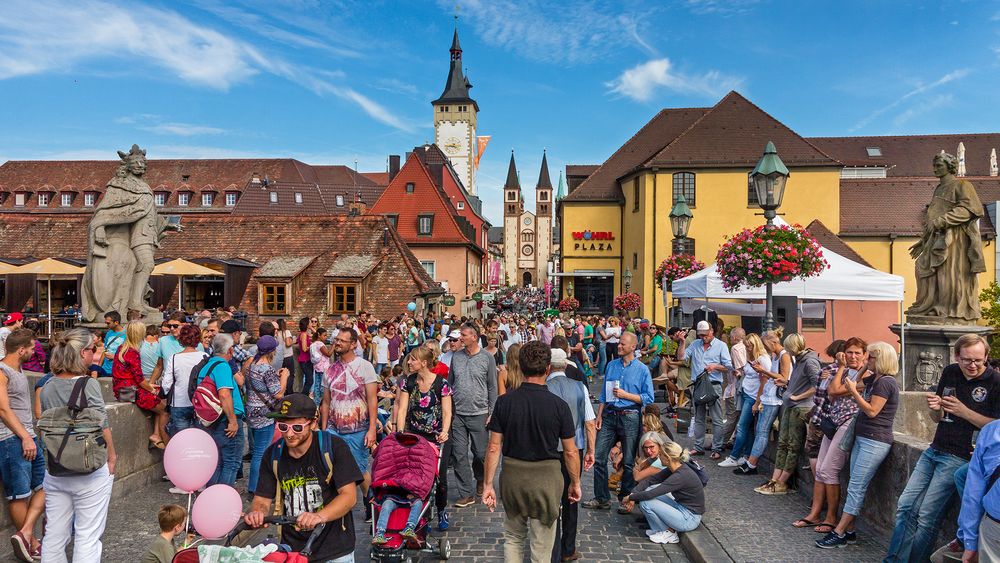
947,392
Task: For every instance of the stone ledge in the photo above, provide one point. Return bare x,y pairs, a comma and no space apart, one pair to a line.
702,547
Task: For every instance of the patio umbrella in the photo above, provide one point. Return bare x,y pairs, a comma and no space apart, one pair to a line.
6,268
180,267
48,267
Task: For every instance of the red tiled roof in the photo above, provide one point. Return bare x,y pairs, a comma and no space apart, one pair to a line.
733,134
911,155
864,205
380,178
831,241
602,183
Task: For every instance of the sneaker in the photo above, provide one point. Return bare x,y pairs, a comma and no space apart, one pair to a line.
380,538
595,504
666,536
729,462
178,491
745,469
776,488
852,538
443,521
479,488
651,533
368,513
22,547
464,502
408,532
766,486
831,541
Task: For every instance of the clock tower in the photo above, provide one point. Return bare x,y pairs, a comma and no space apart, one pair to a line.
455,120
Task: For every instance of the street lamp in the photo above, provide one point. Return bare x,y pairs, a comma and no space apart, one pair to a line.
680,222
768,180
628,279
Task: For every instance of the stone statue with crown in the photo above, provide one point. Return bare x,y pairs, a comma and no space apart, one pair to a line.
121,239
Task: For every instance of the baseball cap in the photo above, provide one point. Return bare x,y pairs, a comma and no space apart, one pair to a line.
455,334
295,405
558,357
703,327
266,344
230,327
13,318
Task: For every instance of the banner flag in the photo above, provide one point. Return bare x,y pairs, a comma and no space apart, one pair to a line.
481,147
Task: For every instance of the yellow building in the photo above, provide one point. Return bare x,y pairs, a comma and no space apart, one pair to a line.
868,190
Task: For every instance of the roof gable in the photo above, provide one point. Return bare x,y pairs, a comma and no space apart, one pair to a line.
395,200
827,239
733,134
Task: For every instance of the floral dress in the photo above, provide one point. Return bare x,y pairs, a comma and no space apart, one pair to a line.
127,372
424,414
263,383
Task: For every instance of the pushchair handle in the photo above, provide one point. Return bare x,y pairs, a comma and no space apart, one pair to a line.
279,521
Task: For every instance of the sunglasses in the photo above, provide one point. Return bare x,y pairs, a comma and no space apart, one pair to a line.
285,427
174,325
165,331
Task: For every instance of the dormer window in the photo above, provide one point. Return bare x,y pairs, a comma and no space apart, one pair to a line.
89,199
65,200
206,199
461,205
20,199
183,199
231,198
273,197
410,187
425,224
43,200
298,197
340,201
160,199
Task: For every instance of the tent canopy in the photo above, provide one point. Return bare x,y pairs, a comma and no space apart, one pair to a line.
844,280
182,267
48,267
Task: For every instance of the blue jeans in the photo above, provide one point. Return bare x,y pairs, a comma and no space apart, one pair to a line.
389,505
744,427
866,457
19,476
317,387
616,426
602,354
654,366
181,418
307,376
664,513
230,452
713,409
922,505
765,418
261,441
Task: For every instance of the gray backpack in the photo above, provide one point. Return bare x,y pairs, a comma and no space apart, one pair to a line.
73,435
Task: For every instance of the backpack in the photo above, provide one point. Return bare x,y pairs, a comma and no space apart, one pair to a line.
193,376
326,452
73,435
699,471
205,400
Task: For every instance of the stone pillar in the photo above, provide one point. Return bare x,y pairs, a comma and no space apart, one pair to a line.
927,349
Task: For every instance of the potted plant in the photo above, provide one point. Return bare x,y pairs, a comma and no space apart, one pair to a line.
779,253
569,304
676,267
627,302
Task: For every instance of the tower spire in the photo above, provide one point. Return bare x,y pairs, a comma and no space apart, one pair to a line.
561,192
543,175
512,182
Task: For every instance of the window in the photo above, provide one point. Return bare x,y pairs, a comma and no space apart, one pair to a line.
206,199
751,194
635,195
185,177
543,209
872,153
409,187
425,224
684,185
298,197
19,199
274,299
340,201
43,200
527,236
461,205
635,261
273,197
160,199
183,199
511,209
393,220
343,298
511,195
89,199
429,266
816,323
231,198
683,246
65,200
543,195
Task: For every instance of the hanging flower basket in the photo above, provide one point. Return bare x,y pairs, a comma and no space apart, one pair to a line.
752,258
569,304
627,302
676,267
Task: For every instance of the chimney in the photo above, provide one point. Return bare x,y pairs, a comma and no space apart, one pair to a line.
393,166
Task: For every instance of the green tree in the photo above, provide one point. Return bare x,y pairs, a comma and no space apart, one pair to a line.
991,314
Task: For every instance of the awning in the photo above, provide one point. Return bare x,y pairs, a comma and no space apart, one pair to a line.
181,267
583,273
806,310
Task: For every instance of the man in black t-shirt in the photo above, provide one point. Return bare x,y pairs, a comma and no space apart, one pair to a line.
967,398
315,482
528,425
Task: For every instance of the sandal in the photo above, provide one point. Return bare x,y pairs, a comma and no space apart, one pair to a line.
716,456
804,523
157,445
824,528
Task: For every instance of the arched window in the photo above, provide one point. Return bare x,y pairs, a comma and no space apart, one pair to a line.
684,185
527,236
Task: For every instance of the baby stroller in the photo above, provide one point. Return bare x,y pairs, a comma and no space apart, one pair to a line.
190,555
405,464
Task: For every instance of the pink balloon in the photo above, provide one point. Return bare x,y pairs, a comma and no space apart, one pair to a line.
216,511
190,459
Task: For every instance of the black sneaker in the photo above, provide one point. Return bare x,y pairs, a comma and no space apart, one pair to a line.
831,541
745,469
368,513
851,537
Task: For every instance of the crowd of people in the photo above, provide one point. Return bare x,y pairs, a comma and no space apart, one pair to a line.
551,396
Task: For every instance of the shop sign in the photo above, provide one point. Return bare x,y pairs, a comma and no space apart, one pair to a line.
593,240
449,300
477,296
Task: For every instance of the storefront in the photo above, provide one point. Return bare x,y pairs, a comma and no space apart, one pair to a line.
594,289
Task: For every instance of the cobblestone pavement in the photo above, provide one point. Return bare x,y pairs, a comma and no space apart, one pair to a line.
475,534
754,528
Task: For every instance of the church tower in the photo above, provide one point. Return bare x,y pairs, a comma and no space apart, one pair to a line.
543,223
513,206
455,120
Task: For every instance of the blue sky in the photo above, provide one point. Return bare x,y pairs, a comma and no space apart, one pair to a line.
334,82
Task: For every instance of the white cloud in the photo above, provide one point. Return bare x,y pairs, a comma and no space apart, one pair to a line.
642,81
38,36
925,106
552,31
183,129
720,7
919,90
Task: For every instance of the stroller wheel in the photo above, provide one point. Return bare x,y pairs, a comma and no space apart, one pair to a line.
444,548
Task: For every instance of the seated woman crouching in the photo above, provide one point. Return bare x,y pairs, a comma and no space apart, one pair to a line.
673,500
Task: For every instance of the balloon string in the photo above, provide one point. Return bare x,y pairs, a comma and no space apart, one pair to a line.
187,521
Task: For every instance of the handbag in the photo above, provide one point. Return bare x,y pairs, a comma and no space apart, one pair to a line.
828,427
704,390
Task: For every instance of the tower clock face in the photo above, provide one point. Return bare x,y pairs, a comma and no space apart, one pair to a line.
451,145
527,250
527,221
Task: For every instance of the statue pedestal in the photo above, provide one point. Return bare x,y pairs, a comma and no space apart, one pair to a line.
928,349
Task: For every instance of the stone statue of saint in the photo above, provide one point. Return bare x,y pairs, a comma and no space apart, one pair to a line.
950,251
121,240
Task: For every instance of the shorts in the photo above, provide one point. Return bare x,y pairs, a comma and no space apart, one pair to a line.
814,438
356,441
19,476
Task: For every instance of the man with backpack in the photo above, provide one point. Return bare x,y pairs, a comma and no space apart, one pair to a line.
312,477
218,405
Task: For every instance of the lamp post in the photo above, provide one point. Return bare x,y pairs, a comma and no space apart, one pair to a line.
628,279
768,181
680,222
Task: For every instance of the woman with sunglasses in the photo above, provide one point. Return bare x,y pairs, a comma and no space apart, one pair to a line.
265,388
307,326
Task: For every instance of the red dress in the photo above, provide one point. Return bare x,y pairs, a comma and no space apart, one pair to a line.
127,372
